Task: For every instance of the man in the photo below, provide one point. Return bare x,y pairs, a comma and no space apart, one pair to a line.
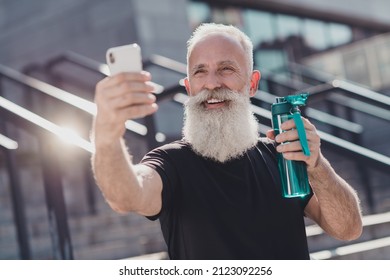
216,192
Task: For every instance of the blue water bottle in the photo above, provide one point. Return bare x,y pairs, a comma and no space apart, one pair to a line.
293,174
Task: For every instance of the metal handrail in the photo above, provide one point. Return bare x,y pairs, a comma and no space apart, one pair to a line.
102,68
364,100
8,143
163,93
166,63
346,86
62,95
178,67
38,121
90,65
315,114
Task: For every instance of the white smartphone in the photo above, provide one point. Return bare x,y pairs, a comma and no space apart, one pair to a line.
125,58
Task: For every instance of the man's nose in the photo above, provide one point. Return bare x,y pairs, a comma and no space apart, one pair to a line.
212,81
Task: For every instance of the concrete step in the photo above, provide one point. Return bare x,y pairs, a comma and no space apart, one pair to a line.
90,231
376,249
373,243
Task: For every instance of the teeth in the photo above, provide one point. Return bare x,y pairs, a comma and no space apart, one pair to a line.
211,101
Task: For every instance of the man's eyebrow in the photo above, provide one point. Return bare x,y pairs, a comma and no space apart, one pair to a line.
197,67
228,63
221,63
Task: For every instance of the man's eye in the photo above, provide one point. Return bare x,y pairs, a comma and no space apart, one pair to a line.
199,71
227,69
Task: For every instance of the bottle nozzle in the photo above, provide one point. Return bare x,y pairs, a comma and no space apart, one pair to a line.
298,99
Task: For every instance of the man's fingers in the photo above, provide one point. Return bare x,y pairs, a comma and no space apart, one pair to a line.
270,134
298,156
289,147
124,77
128,100
290,124
290,135
125,88
138,111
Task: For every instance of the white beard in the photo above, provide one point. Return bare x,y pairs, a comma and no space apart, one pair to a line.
223,133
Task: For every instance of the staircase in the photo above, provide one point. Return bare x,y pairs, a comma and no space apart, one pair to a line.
373,244
95,231
100,235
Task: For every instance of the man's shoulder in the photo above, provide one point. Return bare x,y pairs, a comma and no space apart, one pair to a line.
174,148
267,146
266,142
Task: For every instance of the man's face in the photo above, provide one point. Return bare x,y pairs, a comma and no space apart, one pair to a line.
217,61
218,121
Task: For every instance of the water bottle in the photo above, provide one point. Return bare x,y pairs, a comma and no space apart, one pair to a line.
293,174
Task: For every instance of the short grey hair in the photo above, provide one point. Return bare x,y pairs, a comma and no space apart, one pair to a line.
209,28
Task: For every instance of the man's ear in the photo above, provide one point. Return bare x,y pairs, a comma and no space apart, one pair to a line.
187,86
255,79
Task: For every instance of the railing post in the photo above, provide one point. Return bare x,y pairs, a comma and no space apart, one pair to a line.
151,135
18,209
332,111
89,186
55,202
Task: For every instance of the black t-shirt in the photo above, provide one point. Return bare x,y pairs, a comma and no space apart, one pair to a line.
232,210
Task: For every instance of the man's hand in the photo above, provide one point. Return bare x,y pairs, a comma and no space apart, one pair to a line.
120,98
292,150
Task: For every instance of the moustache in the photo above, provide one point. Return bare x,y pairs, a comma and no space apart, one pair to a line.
222,94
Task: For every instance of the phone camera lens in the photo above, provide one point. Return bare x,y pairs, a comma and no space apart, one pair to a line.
112,58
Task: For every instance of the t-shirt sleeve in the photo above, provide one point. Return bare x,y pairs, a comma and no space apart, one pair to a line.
160,161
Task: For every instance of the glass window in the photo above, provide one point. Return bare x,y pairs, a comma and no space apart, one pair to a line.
270,59
382,52
288,26
259,26
227,16
197,13
339,34
315,34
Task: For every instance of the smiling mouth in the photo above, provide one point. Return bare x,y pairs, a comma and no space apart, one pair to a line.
214,103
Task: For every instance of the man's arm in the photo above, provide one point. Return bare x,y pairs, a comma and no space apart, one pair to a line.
334,205
126,187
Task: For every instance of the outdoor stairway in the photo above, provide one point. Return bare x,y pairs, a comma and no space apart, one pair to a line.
374,242
104,235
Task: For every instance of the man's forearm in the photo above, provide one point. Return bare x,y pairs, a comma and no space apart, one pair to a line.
339,204
115,176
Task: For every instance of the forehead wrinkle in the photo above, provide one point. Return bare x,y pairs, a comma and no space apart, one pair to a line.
227,62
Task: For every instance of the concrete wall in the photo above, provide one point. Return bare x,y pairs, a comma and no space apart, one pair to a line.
32,31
